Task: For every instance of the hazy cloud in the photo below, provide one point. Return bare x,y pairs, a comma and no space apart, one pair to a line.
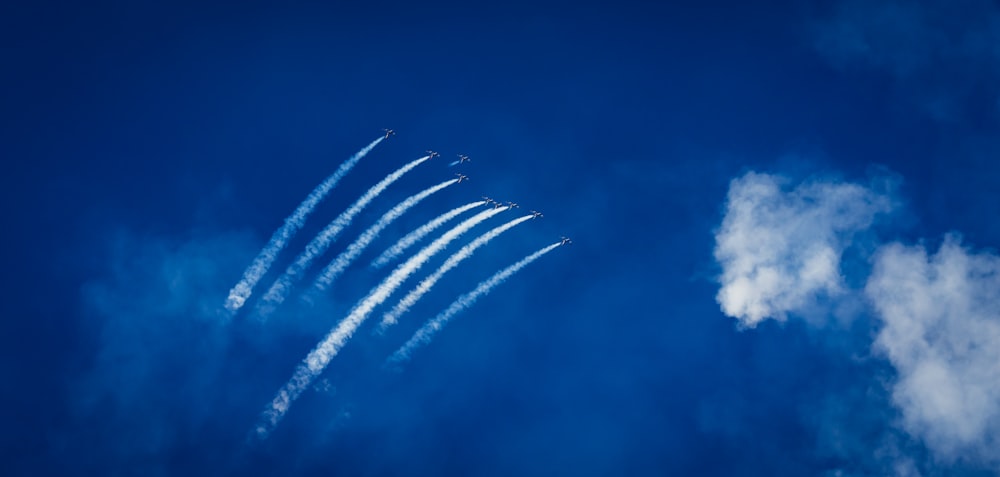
780,247
155,385
941,330
943,53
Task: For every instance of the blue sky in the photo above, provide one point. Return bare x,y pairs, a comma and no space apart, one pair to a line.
783,262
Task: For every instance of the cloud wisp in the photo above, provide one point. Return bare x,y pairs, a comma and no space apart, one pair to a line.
339,264
319,244
320,357
426,332
411,298
780,248
241,291
417,235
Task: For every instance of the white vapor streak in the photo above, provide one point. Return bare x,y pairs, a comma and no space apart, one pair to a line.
454,163
279,290
239,293
337,266
426,332
418,234
427,283
320,357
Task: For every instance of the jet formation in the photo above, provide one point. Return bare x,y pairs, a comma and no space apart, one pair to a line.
495,203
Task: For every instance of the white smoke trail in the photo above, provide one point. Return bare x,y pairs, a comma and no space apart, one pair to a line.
425,285
421,232
337,266
242,290
320,357
454,163
426,332
279,290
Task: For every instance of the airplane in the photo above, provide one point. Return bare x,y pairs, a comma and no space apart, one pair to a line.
536,214
432,154
512,205
462,178
566,240
487,199
463,158
496,205
389,132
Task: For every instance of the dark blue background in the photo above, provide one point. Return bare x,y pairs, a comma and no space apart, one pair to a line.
150,148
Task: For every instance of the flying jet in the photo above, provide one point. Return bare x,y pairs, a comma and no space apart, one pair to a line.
566,240
512,205
497,205
389,132
463,158
536,214
432,154
462,178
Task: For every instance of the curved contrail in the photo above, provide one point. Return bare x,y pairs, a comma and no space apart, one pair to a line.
320,357
389,318
413,237
241,291
279,290
337,266
426,332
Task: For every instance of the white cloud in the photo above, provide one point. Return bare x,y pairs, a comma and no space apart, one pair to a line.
780,249
941,331
780,246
